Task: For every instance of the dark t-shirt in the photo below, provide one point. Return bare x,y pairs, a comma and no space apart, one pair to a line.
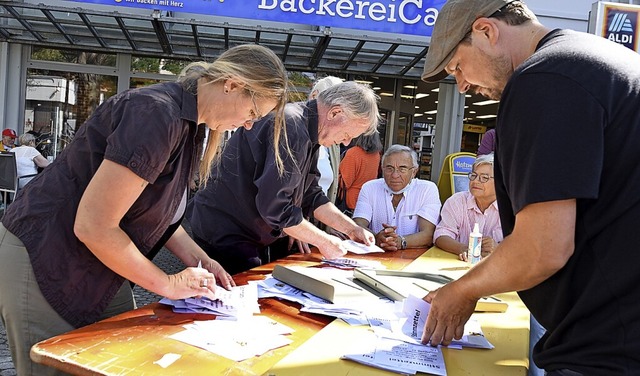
569,128
153,132
246,197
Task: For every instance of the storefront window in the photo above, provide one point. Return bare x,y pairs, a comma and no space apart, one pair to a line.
73,56
58,102
141,64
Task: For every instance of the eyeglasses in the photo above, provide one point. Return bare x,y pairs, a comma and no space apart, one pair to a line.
255,113
483,178
401,170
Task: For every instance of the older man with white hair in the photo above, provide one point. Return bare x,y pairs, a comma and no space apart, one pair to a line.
400,210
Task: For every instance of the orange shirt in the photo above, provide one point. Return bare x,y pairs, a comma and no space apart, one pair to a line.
356,168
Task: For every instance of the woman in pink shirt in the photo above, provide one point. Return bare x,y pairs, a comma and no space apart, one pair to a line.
462,210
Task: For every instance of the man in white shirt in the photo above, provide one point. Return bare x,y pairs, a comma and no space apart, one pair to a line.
401,211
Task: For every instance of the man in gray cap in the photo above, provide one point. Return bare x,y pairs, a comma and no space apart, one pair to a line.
567,182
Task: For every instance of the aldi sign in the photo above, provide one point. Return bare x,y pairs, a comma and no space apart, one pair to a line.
616,22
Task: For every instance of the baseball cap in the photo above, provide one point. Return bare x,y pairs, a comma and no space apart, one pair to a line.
453,23
9,132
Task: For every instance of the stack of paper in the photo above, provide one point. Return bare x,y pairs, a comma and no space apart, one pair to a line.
361,249
240,301
236,340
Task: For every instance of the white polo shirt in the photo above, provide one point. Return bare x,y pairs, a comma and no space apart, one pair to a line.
420,199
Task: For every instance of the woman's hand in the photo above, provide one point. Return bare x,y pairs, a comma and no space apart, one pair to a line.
224,279
191,282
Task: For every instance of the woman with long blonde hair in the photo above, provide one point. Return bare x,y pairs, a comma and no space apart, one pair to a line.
80,231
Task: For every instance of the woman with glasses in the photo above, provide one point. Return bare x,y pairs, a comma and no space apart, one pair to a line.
463,209
400,210
76,235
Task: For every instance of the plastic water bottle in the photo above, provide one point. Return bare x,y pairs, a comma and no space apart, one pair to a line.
475,245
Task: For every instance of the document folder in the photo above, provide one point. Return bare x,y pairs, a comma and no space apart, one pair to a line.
397,285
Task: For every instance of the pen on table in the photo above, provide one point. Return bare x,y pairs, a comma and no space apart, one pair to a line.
422,287
348,284
204,281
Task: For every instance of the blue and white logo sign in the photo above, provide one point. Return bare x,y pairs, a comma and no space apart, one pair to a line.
415,17
621,25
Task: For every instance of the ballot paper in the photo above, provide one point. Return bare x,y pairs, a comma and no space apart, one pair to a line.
359,248
351,263
236,340
354,312
398,356
412,325
239,301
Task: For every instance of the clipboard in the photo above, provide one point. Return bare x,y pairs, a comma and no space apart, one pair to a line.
397,285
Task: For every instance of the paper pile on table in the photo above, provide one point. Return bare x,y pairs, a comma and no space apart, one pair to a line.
239,301
236,340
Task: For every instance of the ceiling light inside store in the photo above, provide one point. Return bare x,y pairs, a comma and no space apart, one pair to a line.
432,112
467,95
472,112
486,103
486,116
364,82
377,88
416,115
436,90
421,95
410,87
406,96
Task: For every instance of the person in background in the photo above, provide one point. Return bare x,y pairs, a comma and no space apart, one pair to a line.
463,209
255,205
28,159
329,157
8,139
360,164
567,183
488,143
77,233
401,211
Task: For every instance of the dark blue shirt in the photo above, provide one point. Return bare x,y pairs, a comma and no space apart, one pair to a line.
246,199
153,132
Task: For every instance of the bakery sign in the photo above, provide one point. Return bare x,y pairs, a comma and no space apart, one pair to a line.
415,17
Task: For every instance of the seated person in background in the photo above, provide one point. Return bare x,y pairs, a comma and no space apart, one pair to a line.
253,200
400,210
359,165
8,139
463,209
28,159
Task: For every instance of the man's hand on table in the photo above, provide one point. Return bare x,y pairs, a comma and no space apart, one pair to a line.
450,310
387,238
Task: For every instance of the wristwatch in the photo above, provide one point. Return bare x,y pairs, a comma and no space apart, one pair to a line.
403,242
